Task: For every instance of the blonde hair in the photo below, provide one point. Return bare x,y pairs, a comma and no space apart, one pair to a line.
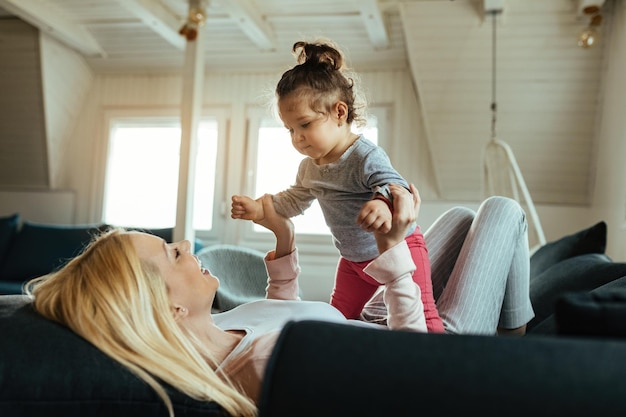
119,303
322,77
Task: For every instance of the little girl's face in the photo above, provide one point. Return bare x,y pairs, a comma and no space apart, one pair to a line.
313,134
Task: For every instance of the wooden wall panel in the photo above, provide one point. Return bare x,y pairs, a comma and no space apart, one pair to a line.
547,93
23,152
66,81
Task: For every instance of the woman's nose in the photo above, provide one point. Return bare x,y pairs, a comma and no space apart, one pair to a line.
185,245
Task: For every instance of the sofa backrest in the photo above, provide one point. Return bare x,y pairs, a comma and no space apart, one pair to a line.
338,370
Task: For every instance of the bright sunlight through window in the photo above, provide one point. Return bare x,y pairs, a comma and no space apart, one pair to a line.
142,173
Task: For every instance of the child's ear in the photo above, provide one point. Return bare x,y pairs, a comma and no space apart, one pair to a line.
340,111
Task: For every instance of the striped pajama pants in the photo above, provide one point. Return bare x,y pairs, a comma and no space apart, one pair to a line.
481,267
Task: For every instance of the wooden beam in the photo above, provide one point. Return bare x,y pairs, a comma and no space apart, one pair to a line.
250,20
44,16
158,18
374,23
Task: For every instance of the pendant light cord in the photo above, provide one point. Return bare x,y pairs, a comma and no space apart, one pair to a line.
494,106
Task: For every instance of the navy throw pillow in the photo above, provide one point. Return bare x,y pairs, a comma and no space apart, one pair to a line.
589,240
578,274
600,313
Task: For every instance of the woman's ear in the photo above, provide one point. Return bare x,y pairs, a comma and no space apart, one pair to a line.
179,312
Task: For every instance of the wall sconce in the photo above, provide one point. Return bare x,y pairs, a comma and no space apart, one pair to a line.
589,36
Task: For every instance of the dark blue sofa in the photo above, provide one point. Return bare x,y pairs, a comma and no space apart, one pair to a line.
29,250
572,362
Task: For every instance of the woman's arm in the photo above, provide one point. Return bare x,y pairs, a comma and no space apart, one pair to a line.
394,266
282,263
281,226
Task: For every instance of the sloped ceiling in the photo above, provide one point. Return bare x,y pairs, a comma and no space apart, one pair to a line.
547,93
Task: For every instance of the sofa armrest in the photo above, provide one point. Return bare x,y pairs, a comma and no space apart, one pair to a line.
325,369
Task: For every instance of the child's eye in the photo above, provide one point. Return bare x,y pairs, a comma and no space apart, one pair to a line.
305,125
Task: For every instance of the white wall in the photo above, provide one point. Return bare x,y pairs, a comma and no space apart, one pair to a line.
66,80
610,195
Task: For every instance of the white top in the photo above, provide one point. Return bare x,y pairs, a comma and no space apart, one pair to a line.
263,320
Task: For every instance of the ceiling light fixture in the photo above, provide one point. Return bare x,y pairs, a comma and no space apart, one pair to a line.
195,19
589,36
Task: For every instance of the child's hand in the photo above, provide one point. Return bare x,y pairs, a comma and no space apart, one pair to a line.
406,205
375,216
245,208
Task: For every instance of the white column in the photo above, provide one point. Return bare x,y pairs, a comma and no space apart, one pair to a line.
191,108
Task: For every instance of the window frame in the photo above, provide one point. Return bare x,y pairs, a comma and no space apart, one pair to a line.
112,116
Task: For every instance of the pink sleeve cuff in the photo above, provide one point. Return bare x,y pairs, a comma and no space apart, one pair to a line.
391,264
283,272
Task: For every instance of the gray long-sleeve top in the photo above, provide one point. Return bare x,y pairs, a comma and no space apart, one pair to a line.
342,187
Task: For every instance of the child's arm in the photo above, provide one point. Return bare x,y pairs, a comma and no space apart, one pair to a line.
245,208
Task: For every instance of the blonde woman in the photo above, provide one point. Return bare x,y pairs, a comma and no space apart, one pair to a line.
147,304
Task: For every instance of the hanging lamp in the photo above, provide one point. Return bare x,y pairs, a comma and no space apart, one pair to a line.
502,174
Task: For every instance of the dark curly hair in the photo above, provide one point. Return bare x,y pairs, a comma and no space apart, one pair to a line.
321,77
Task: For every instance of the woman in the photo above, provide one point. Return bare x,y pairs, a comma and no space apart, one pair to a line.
147,304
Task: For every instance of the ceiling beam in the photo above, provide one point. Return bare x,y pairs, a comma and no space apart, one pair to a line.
158,18
374,23
249,19
44,16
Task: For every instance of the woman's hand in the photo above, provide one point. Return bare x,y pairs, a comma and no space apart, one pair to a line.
405,210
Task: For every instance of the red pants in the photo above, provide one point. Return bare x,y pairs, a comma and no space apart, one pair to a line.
354,288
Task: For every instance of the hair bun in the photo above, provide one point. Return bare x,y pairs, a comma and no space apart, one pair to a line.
318,54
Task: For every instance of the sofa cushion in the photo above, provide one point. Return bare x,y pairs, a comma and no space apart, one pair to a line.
589,240
39,249
580,273
601,312
48,370
8,229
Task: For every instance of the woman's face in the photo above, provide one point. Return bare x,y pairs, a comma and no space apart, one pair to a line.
189,285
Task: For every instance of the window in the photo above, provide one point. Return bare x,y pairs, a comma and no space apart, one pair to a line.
142,172
276,164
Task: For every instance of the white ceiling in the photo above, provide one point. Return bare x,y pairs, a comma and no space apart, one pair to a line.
142,35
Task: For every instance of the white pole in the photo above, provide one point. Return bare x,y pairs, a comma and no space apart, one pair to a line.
191,109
